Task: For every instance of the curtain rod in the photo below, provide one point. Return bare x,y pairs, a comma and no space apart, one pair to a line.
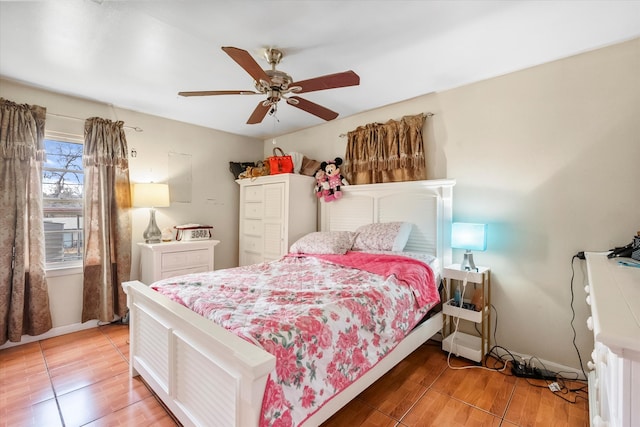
344,135
136,128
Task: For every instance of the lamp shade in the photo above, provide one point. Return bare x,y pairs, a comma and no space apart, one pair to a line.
469,236
150,195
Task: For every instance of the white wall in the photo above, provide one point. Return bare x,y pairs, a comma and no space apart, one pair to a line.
214,192
549,158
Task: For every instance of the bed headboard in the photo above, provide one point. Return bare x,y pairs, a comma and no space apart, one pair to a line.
425,204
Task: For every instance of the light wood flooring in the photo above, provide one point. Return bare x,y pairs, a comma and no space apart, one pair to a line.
81,379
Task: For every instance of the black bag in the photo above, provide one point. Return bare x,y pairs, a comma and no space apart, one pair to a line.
237,168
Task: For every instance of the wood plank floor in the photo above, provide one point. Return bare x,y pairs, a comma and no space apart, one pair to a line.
81,379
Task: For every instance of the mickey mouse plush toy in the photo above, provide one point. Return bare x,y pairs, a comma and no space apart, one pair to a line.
334,178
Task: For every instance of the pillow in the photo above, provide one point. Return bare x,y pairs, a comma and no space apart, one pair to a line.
382,236
324,242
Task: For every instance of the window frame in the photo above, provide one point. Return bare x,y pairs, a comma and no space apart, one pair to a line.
72,266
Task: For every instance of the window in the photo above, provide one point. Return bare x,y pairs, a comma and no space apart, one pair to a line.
62,192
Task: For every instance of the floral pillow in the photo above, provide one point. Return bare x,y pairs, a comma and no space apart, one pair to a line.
324,242
382,236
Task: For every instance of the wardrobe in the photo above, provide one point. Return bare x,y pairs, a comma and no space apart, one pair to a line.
275,211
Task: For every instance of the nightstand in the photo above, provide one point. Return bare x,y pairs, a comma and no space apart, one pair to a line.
469,346
170,259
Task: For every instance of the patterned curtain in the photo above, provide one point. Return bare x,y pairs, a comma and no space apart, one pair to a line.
107,222
24,298
386,152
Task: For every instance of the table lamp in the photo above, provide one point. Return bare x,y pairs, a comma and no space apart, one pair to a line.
470,237
151,196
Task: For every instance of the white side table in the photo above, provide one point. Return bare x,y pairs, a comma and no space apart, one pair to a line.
469,346
170,259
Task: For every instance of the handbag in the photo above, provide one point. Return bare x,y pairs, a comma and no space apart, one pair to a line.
236,168
280,163
309,166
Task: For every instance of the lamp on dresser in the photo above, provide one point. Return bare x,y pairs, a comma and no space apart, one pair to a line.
152,196
470,237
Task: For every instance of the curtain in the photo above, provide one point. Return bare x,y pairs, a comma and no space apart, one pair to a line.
386,152
107,222
24,297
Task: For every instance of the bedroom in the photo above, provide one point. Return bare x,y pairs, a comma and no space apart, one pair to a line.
547,156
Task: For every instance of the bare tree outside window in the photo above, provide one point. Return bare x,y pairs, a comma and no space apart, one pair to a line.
62,190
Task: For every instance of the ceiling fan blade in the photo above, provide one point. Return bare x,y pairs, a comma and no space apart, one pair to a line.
313,108
246,61
218,92
258,114
330,81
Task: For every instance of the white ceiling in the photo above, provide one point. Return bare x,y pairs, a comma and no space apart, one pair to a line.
139,54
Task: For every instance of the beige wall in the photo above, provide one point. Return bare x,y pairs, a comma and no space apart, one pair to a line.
549,157
214,198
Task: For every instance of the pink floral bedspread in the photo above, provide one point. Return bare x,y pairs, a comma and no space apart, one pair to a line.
327,324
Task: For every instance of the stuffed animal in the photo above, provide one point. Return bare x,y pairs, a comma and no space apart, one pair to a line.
322,185
251,172
334,179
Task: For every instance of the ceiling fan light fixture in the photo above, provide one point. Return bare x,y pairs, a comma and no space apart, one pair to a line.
262,86
274,84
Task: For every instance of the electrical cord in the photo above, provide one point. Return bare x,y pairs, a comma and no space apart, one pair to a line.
562,388
455,331
573,314
495,328
502,362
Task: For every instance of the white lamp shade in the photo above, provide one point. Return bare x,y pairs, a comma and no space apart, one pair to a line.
469,236
150,195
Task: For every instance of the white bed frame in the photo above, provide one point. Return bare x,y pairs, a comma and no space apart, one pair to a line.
208,376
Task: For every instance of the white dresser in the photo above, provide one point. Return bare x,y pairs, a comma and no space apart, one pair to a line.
614,380
170,259
275,211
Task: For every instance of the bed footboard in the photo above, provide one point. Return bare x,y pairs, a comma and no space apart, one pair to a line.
203,373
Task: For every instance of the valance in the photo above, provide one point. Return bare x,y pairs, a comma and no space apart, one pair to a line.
386,152
21,130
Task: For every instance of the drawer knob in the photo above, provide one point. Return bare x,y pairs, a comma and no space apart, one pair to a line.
591,365
590,323
602,358
587,289
588,299
599,422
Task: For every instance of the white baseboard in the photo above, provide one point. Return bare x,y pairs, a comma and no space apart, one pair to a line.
53,332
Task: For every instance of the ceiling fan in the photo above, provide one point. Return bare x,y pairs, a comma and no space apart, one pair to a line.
277,85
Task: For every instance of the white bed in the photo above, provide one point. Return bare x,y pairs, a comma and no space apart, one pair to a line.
208,376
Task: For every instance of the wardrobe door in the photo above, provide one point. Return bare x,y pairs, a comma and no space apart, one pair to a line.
273,221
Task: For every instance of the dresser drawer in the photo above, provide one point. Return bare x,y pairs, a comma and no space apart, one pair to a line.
162,260
185,259
252,227
252,244
253,210
249,258
180,272
253,193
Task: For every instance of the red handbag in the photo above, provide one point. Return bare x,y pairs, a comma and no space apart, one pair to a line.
280,163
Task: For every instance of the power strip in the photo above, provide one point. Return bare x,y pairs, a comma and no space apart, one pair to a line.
524,371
